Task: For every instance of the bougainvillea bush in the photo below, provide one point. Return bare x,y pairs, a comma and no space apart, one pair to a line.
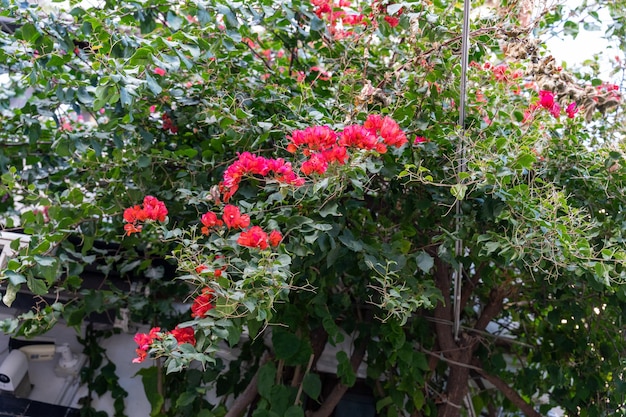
301,175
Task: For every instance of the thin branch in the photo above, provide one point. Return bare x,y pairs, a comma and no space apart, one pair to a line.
340,389
509,393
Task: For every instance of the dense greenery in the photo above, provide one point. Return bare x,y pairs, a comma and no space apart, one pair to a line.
522,206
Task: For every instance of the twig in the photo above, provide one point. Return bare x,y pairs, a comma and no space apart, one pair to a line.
340,389
248,395
509,393
308,368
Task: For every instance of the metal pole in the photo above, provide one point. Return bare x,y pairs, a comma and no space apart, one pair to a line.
461,167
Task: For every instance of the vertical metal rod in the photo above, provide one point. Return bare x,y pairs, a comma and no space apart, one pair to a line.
461,167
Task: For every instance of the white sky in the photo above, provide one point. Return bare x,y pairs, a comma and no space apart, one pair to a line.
575,51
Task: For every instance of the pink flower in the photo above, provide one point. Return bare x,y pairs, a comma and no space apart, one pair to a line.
419,139
571,110
159,71
546,99
555,110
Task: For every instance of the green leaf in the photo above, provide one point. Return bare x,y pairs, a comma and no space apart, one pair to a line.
349,241
10,294
344,369
571,28
186,398
150,381
14,278
329,209
27,32
153,85
174,21
458,191
267,378
312,385
294,411
36,286
424,261
286,344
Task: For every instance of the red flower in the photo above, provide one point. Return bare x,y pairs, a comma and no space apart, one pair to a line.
391,133
202,303
316,163
337,154
358,137
393,21
209,220
134,214
234,219
275,237
255,237
373,123
141,356
152,209
313,138
130,228
500,72
184,335
144,340
419,139
155,209
159,71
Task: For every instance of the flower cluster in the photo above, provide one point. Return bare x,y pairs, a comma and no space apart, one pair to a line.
168,124
323,146
146,340
548,102
248,164
151,209
340,17
254,237
203,269
501,73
